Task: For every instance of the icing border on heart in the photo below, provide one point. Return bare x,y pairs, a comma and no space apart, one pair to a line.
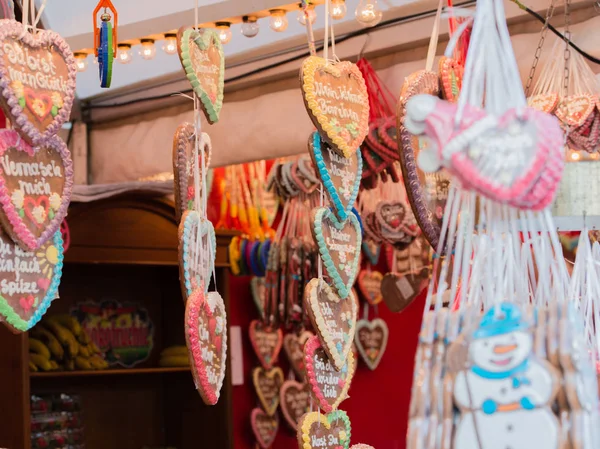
13,318
253,418
19,230
188,220
343,289
271,373
276,350
203,38
282,391
198,299
372,325
306,422
313,288
364,290
184,193
43,38
340,210
309,66
311,346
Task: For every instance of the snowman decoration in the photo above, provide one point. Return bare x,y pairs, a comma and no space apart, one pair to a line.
504,394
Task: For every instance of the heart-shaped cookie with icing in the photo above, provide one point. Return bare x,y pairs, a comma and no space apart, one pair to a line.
25,295
37,81
267,384
331,431
399,291
196,261
329,386
335,96
543,102
333,318
264,427
361,446
206,338
574,110
293,346
339,244
184,142
371,340
369,285
294,400
203,61
266,342
35,188
340,175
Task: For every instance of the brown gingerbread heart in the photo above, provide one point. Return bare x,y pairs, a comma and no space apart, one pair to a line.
371,340
267,384
293,345
543,102
294,399
574,110
399,291
369,285
266,342
331,431
264,427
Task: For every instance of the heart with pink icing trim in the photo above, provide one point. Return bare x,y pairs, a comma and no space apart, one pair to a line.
206,338
329,387
266,342
35,188
37,80
264,427
516,158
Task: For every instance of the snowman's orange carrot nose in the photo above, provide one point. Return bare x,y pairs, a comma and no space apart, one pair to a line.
503,349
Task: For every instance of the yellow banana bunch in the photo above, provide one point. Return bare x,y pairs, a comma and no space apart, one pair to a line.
37,347
64,336
46,337
40,362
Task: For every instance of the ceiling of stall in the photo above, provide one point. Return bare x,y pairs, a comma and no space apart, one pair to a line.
138,18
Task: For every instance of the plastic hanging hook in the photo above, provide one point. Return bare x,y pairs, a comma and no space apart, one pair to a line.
106,5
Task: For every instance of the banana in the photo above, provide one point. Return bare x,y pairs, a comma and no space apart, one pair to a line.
95,348
45,336
174,351
37,347
82,363
54,365
67,321
84,338
84,351
174,360
64,336
32,367
98,363
40,362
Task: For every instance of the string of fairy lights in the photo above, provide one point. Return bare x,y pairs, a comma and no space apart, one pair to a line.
367,13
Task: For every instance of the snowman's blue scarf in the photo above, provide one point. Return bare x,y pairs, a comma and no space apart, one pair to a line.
517,380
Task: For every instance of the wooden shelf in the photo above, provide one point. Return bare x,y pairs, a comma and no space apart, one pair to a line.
111,372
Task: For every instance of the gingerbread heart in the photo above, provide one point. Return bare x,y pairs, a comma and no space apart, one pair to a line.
293,346
264,427
335,96
196,260
369,285
35,188
329,386
267,384
203,61
333,318
258,289
543,102
392,215
361,446
574,110
339,244
331,431
340,176
371,340
266,342
206,337
184,142
26,294
451,74
37,81
400,291
294,399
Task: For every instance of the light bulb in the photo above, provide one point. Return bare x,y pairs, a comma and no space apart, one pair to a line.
575,156
338,9
250,27
124,53
170,44
81,61
312,15
279,21
368,13
224,31
148,50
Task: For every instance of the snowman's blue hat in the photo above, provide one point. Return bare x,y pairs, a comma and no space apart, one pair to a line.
500,320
